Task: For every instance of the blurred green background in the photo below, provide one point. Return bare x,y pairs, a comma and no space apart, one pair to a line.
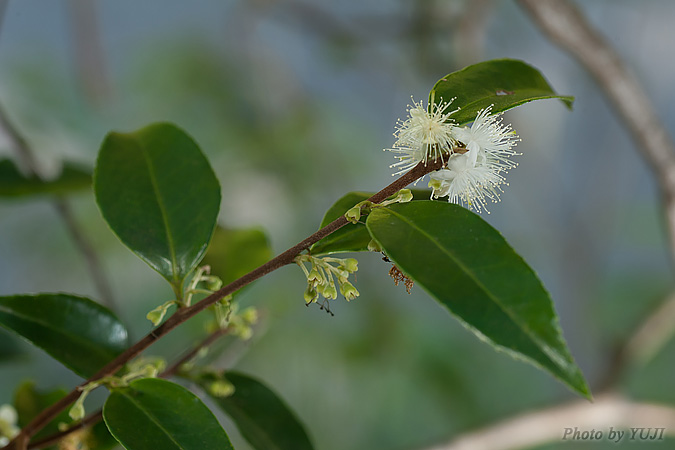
293,102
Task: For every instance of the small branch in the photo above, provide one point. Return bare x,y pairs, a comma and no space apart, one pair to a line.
25,155
184,314
549,425
98,415
567,27
89,55
86,249
91,419
210,339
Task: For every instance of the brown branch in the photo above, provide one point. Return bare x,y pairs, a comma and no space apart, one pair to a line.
565,25
183,314
98,415
210,339
91,419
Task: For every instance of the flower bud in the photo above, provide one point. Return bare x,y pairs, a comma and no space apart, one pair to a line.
405,195
349,291
354,214
310,294
374,246
221,388
351,265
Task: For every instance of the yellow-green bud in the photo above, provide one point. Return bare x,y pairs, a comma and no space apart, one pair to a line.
405,195
349,291
354,214
315,276
435,184
77,411
221,388
310,294
374,246
156,315
329,292
351,265
250,315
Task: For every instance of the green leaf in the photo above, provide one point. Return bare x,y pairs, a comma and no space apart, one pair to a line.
9,348
29,402
154,414
14,184
465,264
234,253
76,331
351,237
504,83
160,196
261,416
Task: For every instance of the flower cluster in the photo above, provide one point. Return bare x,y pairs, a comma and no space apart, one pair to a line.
8,421
322,275
477,156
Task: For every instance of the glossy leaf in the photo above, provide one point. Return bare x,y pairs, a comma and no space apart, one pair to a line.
15,184
160,196
504,83
9,348
154,414
76,331
351,237
261,416
233,253
470,269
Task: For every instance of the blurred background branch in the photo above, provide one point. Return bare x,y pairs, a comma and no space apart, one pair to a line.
566,25
547,425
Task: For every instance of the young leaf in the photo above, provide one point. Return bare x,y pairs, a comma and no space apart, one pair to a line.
351,237
233,253
76,331
14,184
260,415
468,267
154,414
504,83
160,196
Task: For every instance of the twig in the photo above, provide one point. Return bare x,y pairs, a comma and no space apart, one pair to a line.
25,155
89,55
56,437
567,27
210,339
550,425
183,314
98,415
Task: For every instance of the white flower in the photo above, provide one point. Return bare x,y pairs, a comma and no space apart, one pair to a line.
423,135
8,419
489,136
474,175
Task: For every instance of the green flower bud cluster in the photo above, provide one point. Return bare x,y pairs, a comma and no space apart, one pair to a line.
327,276
202,275
238,323
145,367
